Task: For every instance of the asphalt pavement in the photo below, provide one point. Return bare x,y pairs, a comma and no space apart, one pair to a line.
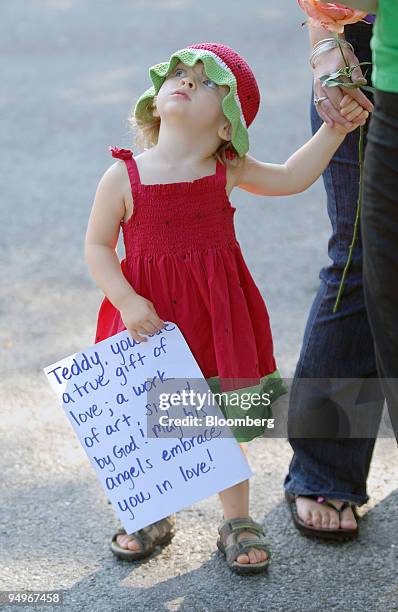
71,71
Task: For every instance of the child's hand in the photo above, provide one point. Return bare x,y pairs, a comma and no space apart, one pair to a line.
140,317
353,112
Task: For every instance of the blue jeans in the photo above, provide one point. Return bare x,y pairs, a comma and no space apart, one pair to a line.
336,345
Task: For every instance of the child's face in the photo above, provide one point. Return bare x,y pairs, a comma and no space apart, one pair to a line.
197,101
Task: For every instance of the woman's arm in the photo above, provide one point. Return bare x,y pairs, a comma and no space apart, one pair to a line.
326,63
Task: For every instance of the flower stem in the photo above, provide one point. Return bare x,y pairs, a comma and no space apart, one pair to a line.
341,50
357,217
360,192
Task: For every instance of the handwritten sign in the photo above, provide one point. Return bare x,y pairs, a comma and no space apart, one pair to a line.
104,391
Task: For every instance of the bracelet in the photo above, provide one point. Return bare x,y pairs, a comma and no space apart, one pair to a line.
323,40
343,42
326,45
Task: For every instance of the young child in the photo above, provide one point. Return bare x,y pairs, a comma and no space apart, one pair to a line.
183,262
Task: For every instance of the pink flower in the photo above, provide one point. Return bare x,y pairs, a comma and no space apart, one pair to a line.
331,16
121,153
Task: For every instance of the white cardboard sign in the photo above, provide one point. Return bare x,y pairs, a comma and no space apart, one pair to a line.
104,391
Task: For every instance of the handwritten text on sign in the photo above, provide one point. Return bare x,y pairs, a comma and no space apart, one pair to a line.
103,390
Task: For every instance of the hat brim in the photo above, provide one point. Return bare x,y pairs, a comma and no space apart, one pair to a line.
218,72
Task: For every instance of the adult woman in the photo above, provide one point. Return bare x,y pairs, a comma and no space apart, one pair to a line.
327,476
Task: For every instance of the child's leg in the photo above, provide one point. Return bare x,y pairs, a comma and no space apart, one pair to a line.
235,503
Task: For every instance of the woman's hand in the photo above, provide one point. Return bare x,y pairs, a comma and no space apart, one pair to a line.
140,317
353,112
329,110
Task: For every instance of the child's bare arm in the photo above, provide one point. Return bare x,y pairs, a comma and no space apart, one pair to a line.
138,313
299,172
102,235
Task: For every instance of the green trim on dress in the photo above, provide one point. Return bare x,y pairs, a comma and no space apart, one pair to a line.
271,383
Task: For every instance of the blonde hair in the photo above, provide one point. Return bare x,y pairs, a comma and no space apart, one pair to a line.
146,134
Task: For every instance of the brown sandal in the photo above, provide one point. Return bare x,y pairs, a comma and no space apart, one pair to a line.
325,533
158,533
231,547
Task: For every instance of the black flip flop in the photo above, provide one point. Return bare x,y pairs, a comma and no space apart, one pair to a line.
340,535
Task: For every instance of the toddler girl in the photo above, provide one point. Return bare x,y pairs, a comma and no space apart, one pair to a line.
183,262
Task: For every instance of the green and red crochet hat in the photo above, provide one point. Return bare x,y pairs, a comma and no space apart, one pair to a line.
224,66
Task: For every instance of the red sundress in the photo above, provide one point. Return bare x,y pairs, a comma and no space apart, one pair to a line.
181,253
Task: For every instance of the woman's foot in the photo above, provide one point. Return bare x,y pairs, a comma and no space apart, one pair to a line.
320,516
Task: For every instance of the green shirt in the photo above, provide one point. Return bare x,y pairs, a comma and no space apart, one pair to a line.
384,45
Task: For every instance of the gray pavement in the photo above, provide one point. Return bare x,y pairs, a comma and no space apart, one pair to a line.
71,70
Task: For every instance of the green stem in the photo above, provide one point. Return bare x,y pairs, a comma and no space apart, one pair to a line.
357,217
337,37
359,202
